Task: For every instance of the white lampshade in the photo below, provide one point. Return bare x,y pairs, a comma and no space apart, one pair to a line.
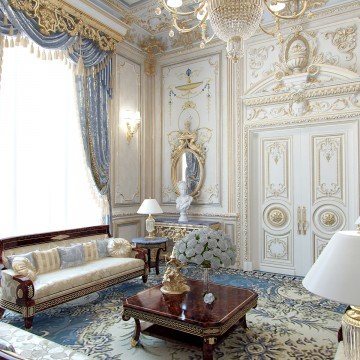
336,273
150,206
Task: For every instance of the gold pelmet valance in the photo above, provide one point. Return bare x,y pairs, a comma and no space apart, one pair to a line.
58,16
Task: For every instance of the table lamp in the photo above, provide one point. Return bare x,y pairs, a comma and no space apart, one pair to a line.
335,275
149,207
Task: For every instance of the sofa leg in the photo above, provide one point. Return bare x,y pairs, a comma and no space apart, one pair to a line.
28,322
144,278
2,310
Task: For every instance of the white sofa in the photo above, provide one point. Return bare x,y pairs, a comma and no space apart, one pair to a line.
20,294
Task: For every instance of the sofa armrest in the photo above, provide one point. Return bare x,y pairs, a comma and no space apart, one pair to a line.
25,290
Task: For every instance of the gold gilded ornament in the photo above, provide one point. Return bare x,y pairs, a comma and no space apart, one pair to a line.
57,16
174,283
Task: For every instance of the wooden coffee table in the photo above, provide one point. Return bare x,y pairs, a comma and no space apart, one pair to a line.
186,319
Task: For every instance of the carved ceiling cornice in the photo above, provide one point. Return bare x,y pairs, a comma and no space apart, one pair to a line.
306,94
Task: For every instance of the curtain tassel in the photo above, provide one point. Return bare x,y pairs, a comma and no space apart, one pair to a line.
6,21
17,40
23,42
50,57
32,50
43,55
12,43
56,54
80,66
38,54
6,42
11,31
61,55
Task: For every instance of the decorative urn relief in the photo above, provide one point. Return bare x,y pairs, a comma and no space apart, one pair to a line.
297,55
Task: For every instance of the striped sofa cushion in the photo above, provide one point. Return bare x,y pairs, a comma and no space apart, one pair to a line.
91,251
47,260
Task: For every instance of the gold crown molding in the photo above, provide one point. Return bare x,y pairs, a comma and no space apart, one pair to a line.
152,47
58,16
307,94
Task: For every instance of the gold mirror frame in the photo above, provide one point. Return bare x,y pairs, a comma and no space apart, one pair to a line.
187,143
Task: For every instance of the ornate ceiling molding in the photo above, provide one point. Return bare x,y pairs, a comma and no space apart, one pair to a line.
58,16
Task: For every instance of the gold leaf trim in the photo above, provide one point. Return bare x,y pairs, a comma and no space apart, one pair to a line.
57,16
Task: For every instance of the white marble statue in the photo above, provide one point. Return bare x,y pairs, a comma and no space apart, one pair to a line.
183,201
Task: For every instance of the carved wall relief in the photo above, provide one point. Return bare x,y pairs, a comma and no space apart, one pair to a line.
278,249
276,174
328,167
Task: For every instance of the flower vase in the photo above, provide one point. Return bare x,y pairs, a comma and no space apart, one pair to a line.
208,295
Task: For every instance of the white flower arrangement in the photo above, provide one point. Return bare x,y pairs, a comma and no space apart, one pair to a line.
206,247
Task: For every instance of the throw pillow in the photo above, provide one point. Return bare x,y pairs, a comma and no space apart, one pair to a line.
9,259
22,266
120,248
47,260
102,247
71,256
90,251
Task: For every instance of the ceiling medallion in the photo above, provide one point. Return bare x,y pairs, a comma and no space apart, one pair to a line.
232,21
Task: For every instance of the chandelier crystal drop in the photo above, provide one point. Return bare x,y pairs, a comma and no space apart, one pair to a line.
232,21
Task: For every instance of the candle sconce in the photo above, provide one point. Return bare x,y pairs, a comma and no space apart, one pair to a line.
133,121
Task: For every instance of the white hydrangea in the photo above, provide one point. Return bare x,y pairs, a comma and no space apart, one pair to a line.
182,247
215,263
190,252
191,243
206,247
208,255
217,252
223,245
199,248
212,243
198,259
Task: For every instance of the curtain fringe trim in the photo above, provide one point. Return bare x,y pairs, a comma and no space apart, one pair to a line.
8,41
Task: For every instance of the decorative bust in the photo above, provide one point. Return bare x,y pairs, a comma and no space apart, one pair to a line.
183,201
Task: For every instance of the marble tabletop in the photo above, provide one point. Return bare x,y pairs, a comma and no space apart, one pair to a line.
145,241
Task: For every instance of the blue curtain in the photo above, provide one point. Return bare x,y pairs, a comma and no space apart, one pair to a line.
94,90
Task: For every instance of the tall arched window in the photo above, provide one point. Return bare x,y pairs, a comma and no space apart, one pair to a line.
44,180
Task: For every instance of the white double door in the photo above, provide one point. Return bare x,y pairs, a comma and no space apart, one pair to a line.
303,188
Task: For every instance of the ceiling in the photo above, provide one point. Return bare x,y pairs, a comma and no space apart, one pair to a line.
144,24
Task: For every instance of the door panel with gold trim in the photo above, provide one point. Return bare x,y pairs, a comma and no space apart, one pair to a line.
300,182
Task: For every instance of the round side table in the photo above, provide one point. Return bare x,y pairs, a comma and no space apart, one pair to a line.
156,243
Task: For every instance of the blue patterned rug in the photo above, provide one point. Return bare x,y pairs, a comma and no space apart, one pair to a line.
289,322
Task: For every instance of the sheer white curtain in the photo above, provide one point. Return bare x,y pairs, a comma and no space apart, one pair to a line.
44,184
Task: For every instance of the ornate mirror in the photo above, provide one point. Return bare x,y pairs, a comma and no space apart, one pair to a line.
188,160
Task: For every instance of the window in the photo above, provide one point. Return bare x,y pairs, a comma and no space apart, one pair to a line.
44,181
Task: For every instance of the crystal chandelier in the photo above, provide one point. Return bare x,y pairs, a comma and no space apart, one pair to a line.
232,21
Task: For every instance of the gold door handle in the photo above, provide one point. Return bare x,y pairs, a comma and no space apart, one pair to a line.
299,219
302,224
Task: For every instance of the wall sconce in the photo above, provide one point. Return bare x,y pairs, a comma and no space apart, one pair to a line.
132,123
